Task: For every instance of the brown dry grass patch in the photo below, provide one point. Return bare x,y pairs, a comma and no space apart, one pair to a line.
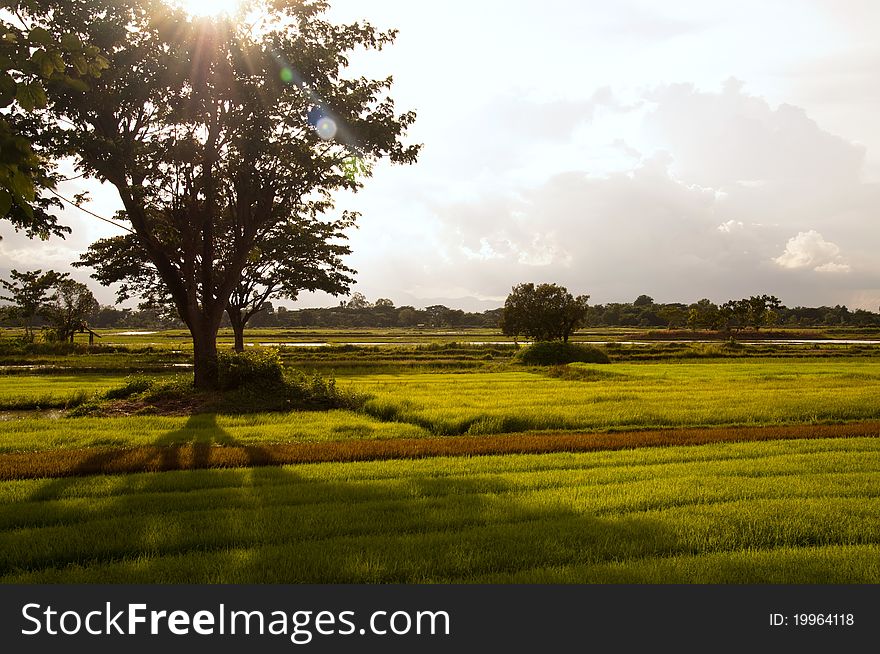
155,458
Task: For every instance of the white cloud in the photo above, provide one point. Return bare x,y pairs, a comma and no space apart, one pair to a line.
535,169
810,250
730,225
832,267
659,227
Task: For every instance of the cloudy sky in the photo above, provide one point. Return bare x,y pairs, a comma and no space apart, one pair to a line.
680,149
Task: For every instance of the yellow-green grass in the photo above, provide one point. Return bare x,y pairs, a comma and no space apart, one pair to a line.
204,429
631,395
782,511
36,391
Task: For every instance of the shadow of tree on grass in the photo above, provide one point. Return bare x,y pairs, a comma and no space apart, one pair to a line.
377,522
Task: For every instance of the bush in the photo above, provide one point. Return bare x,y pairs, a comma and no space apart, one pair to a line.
251,368
253,381
132,386
554,353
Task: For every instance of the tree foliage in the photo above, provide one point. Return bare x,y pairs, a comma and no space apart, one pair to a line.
32,61
755,311
704,314
545,312
215,132
29,292
301,254
68,308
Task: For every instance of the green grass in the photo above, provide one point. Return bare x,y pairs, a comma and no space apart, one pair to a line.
248,429
20,391
803,511
781,511
611,396
631,395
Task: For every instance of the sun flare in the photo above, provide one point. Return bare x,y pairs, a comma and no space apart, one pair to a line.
210,8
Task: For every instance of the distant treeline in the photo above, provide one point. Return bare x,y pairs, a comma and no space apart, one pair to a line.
358,312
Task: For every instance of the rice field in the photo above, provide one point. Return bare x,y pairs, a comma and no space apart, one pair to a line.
616,396
628,395
490,474
795,511
205,429
36,391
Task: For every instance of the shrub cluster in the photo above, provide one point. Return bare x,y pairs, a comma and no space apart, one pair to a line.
133,386
555,353
250,382
257,367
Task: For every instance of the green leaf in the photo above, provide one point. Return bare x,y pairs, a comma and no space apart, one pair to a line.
5,202
58,62
7,89
20,200
71,42
75,84
22,186
39,95
31,96
43,62
24,97
80,63
40,36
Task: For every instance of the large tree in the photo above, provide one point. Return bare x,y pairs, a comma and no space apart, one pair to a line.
214,132
545,312
301,254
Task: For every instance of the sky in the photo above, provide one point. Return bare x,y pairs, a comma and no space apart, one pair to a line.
676,149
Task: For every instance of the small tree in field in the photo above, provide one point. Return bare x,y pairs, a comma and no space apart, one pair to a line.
763,310
69,308
28,292
546,312
673,315
755,311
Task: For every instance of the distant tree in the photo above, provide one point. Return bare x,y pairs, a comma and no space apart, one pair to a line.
546,312
384,302
673,315
453,317
762,310
755,311
407,316
28,292
435,315
704,314
358,301
643,301
735,313
108,316
69,308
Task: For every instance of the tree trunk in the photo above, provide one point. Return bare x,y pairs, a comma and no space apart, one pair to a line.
206,371
236,320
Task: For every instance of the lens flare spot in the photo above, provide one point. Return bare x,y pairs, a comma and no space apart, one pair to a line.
326,128
286,75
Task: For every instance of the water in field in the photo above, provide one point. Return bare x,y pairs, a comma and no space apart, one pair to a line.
827,341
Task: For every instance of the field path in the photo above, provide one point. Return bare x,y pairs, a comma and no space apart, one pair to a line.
154,458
